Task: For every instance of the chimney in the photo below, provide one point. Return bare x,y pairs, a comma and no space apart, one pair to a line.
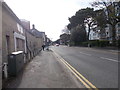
33,26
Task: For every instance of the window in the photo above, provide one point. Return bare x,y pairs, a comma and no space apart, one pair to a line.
20,28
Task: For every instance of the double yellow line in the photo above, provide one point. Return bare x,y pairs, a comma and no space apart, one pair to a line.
79,76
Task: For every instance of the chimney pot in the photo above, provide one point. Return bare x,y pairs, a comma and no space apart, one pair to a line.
33,26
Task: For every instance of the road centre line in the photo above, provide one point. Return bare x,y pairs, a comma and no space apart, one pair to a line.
85,54
109,59
77,74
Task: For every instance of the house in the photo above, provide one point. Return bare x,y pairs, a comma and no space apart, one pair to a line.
25,23
13,33
13,36
106,34
44,37
17,36
34,42
118,31
108,29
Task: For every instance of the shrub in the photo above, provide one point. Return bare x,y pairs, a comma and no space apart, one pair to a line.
94,42
118,43
103,43
99,43
71,43
85,44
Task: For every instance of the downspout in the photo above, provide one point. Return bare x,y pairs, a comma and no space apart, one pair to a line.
27,43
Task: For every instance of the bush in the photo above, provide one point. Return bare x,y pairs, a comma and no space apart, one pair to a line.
103,43
99,43
118,43
94,42
85,44
71,43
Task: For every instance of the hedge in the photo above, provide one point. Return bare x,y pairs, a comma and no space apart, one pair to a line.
118,43
71,43
99,43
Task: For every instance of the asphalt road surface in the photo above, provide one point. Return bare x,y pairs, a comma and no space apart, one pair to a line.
100,67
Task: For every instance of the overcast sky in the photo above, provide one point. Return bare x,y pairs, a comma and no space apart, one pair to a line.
50,16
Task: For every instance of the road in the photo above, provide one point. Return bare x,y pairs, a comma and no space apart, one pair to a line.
100,67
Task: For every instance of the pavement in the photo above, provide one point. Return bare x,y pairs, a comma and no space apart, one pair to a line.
45,71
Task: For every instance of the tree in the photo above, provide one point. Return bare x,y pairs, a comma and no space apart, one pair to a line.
90,22
82,17
78,34
100,20
65,38
111,15
65,30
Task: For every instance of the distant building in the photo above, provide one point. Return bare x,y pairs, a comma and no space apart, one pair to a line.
94,35
118,31
26,24
109,27
34,41
106,34
44,37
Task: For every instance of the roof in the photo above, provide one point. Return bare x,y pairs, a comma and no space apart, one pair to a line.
36,33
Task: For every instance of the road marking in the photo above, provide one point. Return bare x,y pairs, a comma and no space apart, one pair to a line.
82,79
117,51
92,49
76,75
109,59
81,75
85,54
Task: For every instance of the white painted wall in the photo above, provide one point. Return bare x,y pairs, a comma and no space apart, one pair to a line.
93,35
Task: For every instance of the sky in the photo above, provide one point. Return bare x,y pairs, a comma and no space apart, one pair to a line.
49,16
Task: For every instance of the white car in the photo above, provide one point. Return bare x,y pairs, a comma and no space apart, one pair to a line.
57,45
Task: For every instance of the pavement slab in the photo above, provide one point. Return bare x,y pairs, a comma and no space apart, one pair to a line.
45,71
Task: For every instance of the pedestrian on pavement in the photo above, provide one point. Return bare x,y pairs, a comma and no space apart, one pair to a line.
43,46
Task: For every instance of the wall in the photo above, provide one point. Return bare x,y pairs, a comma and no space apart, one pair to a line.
34,44
0,45
9,23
